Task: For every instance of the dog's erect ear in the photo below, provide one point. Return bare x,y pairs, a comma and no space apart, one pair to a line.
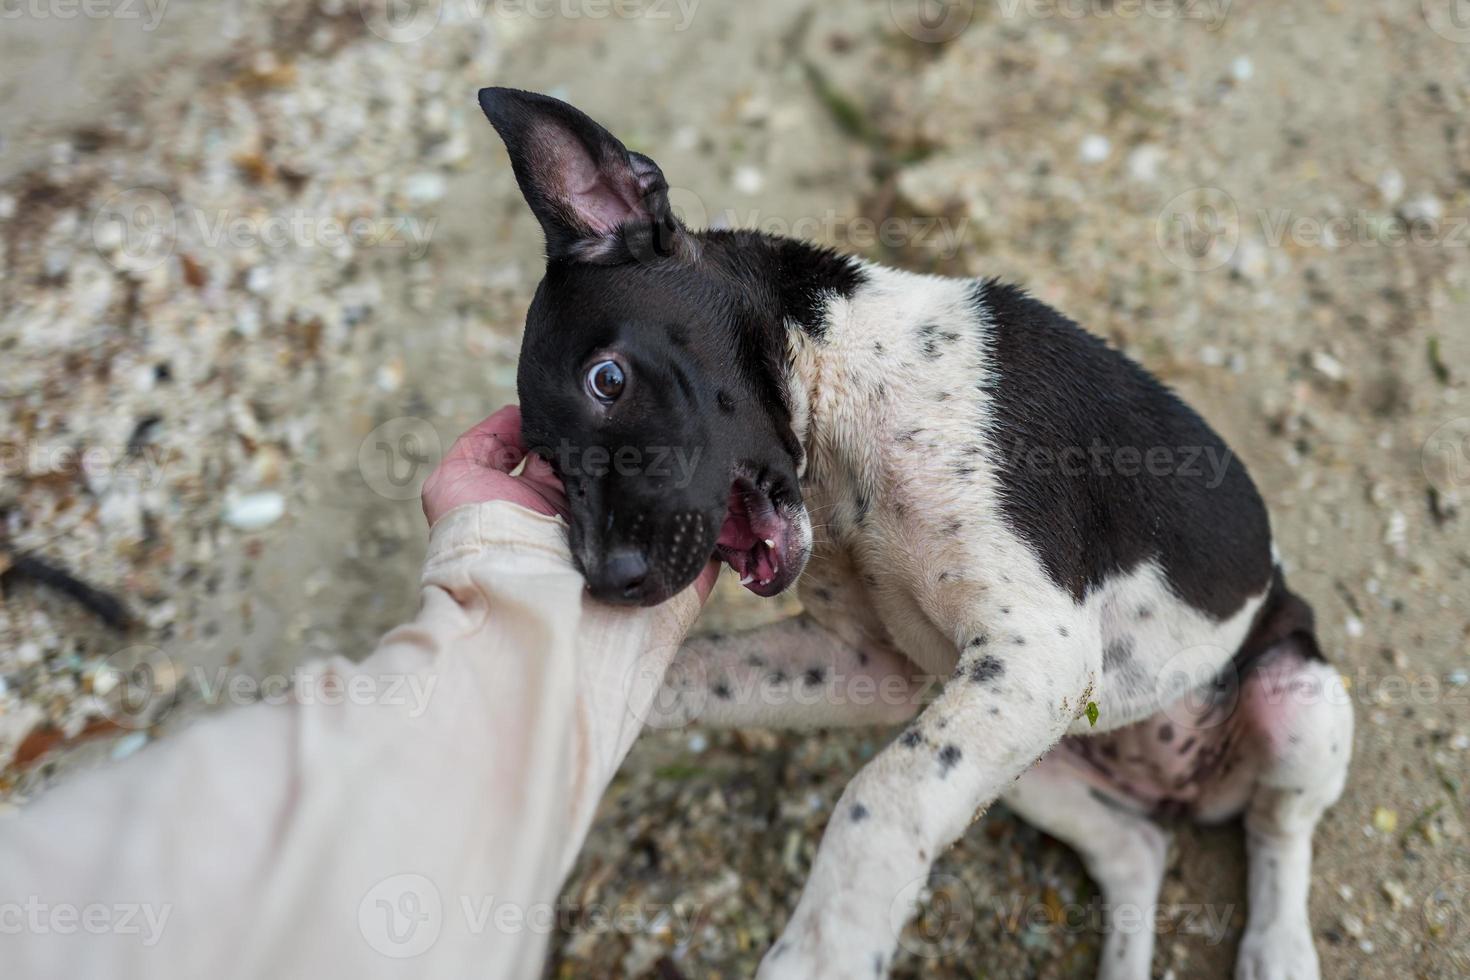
589,192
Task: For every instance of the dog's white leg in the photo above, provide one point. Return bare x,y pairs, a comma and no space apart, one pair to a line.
1011,697
790,674
1302,720
1124,852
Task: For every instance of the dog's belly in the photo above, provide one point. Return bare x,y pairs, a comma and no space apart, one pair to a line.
1199,756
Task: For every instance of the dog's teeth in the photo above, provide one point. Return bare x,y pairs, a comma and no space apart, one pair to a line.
770,543
747,580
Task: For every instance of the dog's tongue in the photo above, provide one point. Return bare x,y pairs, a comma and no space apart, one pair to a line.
751,522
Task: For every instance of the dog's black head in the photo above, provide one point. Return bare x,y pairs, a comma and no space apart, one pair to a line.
652,368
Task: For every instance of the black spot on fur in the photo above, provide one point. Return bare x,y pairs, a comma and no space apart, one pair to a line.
1062,631
779,677
949,757
986,669
1117,655
877,964
1019,641
930,337
859,813
1145,612
982,640
910,739
814,676
1057,391
954,527
1166,733
863,659
722,691
877,347
823,593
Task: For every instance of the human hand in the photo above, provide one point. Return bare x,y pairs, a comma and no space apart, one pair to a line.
477,469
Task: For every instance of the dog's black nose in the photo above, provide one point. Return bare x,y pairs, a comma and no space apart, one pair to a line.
621,577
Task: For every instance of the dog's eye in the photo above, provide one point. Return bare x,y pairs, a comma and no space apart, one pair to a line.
605,380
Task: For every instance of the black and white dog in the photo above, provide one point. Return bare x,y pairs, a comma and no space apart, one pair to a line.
1005,502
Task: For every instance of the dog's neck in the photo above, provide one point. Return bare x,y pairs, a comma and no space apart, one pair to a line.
867,346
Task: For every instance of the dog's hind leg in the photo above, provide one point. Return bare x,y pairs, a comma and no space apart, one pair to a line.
1123,850
789,674
1300,721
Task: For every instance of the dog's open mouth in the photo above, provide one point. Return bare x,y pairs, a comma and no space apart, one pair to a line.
755,539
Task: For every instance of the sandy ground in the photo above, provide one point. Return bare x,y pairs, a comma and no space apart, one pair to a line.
269,258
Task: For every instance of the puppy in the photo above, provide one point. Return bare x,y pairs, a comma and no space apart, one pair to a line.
1005,502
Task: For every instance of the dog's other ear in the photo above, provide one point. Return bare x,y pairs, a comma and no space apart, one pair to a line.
589,192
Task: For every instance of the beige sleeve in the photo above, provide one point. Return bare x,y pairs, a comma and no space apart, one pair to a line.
412,815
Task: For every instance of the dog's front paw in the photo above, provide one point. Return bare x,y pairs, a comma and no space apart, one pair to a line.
806,951
1278,951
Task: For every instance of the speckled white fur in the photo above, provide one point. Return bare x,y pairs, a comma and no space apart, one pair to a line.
914,571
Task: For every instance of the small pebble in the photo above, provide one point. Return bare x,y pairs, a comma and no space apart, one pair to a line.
1391,186
749,180
128,744
254,511
1095,149
1328,365
1395,893
425,188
